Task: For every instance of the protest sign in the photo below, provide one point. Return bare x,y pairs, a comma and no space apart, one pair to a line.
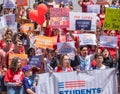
93,9
27,27
22,2
61,39
59,17
112,19
9,3
86,21
35,61
44,42
66,47
21,20
1,2
88,82
103,2
8,20
108,41
64,2
87,39
23,57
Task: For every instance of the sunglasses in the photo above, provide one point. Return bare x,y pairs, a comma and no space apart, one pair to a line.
8,40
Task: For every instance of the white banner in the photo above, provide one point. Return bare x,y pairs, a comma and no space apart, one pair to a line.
88,82
86,21
87,39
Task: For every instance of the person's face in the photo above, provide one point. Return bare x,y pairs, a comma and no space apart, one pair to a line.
18,64
19,35
112,33
99,60
9,33
66,61
8,42
105,53
28,73
19,44
84,51
32,52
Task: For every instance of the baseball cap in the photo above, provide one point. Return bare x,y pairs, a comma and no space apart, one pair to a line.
26,68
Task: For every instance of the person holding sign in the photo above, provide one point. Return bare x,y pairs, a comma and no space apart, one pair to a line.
84,3
13,77
84,60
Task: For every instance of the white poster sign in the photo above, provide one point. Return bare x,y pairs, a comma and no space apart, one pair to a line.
108,41
87,39
9,3
8,20
86,21
93,9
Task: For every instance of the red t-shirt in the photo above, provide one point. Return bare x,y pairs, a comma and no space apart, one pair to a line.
11,76
60,69
2,44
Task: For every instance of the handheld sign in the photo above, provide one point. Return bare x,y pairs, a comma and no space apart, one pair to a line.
22,2
65,47
87,39
108,41
93,9
44,42
59,17
86,21
23,57
8,20
112,19
9,4
35,61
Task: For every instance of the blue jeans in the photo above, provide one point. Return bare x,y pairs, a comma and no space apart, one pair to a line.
3,87
14,90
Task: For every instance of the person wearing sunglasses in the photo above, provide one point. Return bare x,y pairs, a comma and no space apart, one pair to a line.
4,61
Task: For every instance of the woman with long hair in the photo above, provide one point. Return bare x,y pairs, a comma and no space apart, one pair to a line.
14,76
64,64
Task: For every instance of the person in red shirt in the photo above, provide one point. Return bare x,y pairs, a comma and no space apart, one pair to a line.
84,4
64,64
14,76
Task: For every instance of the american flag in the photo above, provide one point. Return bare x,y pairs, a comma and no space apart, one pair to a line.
71,84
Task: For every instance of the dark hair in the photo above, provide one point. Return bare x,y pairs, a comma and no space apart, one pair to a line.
29,50
16,41
14,63
104,50
81,47
97,55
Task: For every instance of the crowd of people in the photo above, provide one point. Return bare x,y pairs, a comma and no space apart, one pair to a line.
18,79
